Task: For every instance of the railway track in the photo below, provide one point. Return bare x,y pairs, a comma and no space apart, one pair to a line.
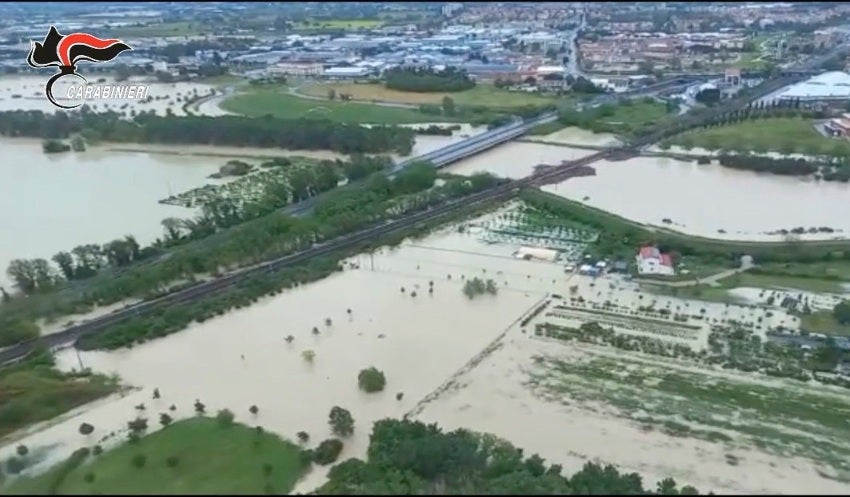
212,287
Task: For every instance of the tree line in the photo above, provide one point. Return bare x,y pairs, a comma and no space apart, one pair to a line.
265,132
85,261
213,252
782,166
828,171
619,238
451,79
344,210
412,458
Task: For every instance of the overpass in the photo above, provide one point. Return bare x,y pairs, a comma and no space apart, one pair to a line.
495,137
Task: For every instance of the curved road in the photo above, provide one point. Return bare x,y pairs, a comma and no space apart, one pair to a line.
712,280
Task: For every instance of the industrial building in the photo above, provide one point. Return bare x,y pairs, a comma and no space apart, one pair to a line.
827,87
346,72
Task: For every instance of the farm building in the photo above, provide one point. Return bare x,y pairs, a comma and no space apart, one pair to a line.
541,254
589,270
650,260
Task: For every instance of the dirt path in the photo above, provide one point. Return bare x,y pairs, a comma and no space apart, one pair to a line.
475,361
712,280
294,91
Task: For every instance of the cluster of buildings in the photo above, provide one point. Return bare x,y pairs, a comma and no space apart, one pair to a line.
699,17
481,52
648,261
647,51
537,15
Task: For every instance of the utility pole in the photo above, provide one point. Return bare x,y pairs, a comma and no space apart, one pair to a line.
372,260
79,359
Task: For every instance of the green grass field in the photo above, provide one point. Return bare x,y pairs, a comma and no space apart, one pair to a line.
823,322
819,277
483,95
33,391
258,103
223,80
751,61
621,118
706,255
781,134
212,459
817,322
832,270
637,113
600,219
546,128
160,30
339,24
694,292
783,281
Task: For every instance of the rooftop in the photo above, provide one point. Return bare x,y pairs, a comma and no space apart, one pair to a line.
834,84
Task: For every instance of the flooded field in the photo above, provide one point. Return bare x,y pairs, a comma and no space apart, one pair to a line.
59,201
744,205
561,402
56,202
577,136
424,341
816,301
417,341
26,92
429,143
516,159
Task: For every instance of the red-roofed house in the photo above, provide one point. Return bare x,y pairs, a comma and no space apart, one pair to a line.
650,260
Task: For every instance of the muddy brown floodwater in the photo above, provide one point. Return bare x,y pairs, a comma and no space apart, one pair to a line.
422,344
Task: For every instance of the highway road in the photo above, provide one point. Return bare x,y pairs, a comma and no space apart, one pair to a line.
440,157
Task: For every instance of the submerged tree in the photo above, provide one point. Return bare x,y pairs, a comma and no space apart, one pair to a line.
341,421
308,355
476,286
371,380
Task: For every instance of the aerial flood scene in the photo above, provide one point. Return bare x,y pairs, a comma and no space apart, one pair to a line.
365,248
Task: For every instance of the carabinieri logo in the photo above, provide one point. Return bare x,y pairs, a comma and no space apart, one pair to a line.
65,51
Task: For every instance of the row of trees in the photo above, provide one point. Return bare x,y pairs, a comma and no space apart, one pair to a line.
412,458
782,166
618,239
837,171
428,80
341,211
84,261
304,134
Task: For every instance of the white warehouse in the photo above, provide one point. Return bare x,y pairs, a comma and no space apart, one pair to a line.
829,86
346,72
